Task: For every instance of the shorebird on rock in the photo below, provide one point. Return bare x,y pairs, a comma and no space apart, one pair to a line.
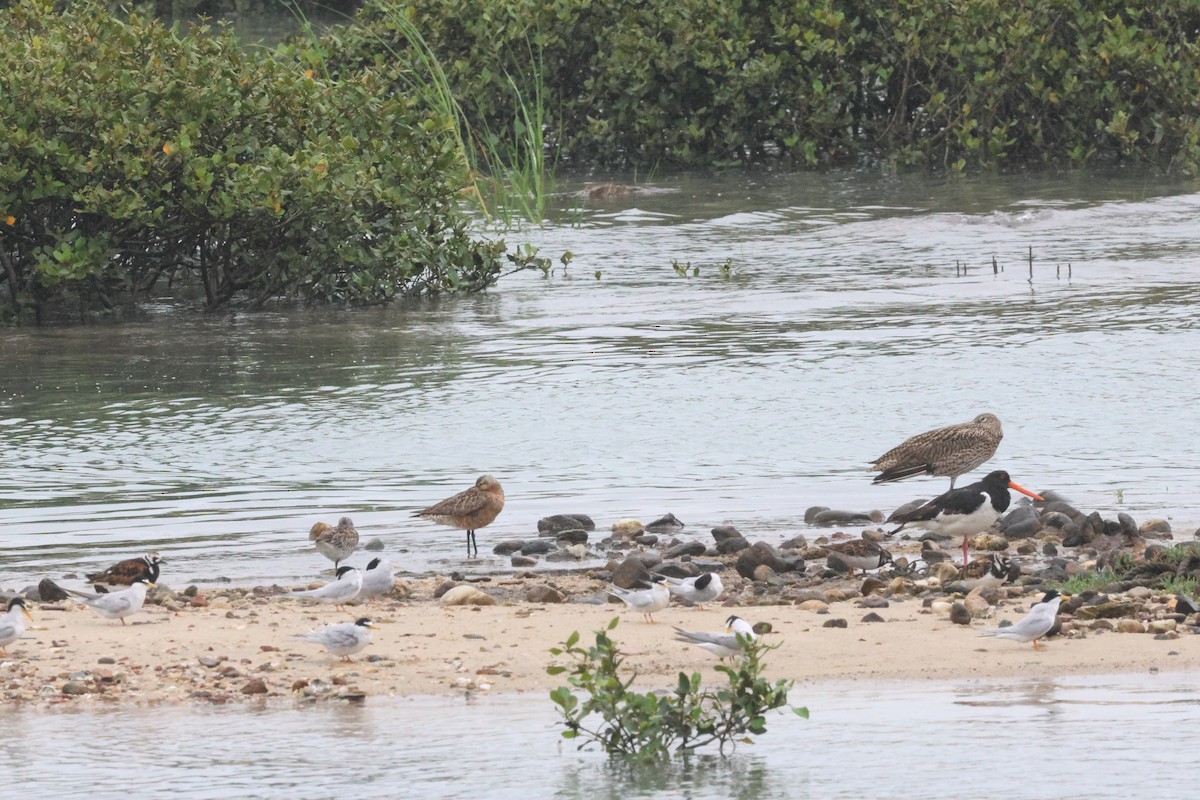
858,554
950,451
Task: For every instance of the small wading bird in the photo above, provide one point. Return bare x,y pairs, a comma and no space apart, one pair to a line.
378,580
124,573
342,639
337,543
986,573
647,601
965,511
699,590
12,626
858,554
1036,624
117,605
339,591
950,451
722,644
470,509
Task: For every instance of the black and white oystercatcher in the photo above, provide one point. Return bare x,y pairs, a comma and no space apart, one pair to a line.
950,451
965,511
469,509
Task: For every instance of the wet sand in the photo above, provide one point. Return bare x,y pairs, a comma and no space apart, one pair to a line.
424,648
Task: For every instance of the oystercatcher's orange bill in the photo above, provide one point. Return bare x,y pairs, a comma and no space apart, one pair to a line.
1023,490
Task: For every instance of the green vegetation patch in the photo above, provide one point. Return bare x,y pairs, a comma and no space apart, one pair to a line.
136,159
950,84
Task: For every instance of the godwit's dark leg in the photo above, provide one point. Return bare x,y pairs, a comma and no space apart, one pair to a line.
471,541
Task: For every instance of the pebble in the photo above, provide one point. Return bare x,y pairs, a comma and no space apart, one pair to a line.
255,686
208,661
467,596
959,614
557,523
507,547
835,623
627,528
572,536
541,593
375,545
686,549
874,601
872,617
1162,625
1154,527
74,688
519,560
817,606
1130,626
667,523
831,517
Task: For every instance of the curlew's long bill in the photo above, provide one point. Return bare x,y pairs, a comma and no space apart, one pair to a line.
950,451
470,509
965,511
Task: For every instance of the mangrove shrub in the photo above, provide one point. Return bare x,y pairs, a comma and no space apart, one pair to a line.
932,83
136,159
657,725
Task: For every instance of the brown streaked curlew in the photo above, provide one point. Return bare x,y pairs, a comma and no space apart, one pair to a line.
469,509
949,452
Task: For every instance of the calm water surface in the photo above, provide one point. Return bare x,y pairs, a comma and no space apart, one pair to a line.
742,399
1063,738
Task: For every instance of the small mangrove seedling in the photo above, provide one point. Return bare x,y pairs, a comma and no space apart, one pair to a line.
598,706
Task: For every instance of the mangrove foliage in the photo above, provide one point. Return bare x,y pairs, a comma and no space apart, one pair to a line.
137,160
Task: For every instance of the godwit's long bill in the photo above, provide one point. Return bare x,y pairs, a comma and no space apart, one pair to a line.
950,451
965,511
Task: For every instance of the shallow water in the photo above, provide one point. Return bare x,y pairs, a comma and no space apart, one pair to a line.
1100,737
742,400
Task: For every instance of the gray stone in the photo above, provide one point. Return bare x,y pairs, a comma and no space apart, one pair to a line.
795,543
1048,549
831,517
1020,523
573,536
764,574
255,686
678,569
1128,526
50,592
649,558
631,573
1112,609
835,623
541,593
647,539
375,545
1061,507
1055,519
558,523
735,544
872,617
209,661
1154,527
519,560
668,523
537,547
811,512
75,688
759,553
874,601
686,549
507,547
959,614
723,532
